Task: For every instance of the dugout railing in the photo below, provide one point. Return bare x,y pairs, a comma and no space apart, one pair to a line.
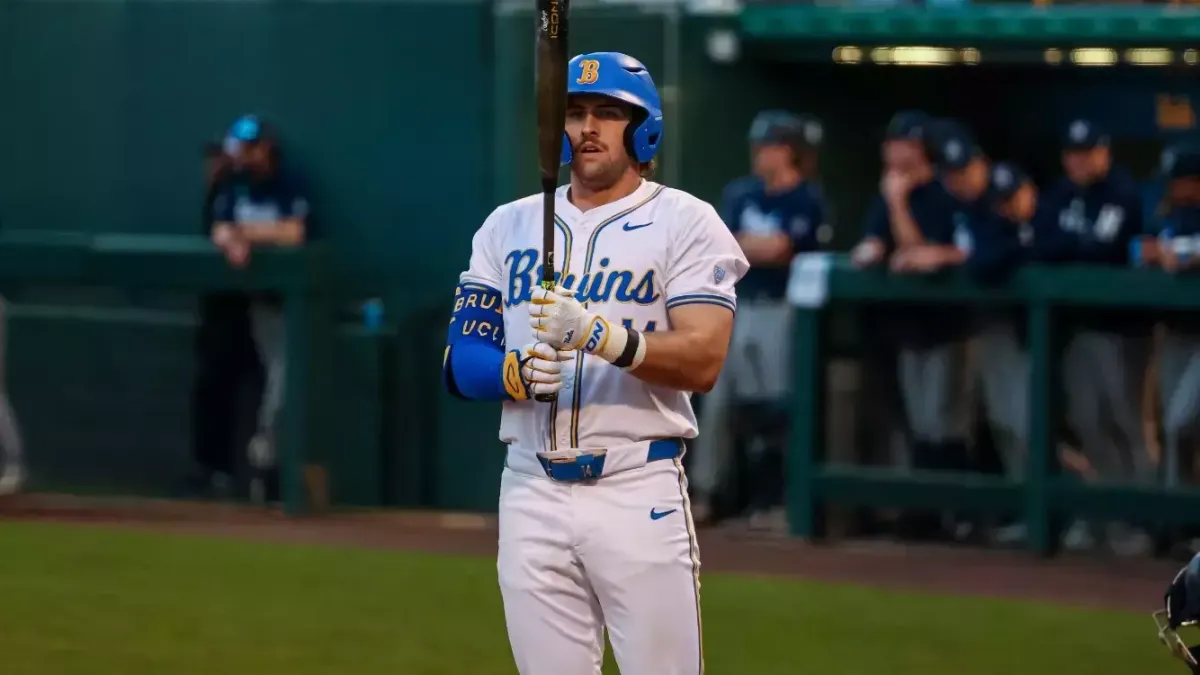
1045,497
192,264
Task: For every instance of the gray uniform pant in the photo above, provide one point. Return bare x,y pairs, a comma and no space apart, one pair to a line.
267,326
1179,386
11,446
933,384
1004,380
1104,374
757,369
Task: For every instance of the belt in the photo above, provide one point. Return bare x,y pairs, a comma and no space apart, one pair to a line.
590,465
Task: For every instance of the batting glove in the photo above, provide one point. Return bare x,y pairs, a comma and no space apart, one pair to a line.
558,319
535,370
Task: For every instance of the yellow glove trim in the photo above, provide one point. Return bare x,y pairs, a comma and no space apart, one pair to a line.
511,374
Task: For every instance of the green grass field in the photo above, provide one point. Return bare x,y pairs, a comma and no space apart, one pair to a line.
87,601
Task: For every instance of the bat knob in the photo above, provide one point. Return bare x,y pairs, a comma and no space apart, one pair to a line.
545,398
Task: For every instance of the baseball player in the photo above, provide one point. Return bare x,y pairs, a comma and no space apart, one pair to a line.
919,224
775,214
261,206
1091,216
596,528
1175,247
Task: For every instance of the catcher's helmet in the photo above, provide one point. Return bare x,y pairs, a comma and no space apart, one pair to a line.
1181,608
624,78
778,126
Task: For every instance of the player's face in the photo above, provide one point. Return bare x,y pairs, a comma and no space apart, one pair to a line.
904,156
1184,192
1084,166
596,127
968,183
256,157
769,159
1020,207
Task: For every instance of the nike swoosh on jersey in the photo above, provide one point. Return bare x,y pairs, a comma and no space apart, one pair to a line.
655,514
630,228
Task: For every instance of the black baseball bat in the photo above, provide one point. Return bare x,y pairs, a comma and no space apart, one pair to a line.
551,85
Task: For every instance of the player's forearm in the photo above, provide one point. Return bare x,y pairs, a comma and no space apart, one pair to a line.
770,250
684,360
288,232
905,230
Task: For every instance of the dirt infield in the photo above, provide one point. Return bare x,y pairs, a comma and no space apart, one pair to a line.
1126,584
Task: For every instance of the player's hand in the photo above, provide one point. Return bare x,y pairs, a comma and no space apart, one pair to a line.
919,259
540,370
867,253
558,319
238,254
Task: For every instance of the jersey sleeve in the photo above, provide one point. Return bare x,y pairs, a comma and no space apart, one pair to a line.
878,223
705,262
485,268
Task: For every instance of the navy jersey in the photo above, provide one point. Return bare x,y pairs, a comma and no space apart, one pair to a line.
1091,224
931,207
942,219
997,247
747,207
245,201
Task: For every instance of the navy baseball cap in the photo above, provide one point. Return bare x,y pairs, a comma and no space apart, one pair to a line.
779,126
1084,134
955,146
907,125
1006,179
1181,160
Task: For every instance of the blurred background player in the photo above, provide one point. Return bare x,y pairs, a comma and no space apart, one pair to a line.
225,356
775,213
1009,205
1175,246
1091,216
916,226
262,205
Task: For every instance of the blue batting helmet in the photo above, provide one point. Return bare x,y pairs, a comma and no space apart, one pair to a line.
623,78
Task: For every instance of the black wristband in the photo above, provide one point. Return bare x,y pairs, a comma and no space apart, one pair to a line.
631,347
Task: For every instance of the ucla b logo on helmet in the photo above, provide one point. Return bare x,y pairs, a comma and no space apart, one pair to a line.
589,71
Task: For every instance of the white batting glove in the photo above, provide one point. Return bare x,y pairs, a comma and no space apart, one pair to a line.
558,319
538,369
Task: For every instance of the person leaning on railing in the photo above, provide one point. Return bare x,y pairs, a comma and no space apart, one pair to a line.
1173,244
262,206
915,225
1090,217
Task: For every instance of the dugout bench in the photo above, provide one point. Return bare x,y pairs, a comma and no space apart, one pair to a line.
192,264
1045,498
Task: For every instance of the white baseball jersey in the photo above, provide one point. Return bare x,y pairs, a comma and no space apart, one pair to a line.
629,261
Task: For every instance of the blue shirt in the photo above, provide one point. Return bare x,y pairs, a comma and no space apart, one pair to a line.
934,210
246,200
1092,224
746,206
1181,222
941,219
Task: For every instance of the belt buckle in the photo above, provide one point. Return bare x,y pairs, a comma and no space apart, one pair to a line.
585,465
